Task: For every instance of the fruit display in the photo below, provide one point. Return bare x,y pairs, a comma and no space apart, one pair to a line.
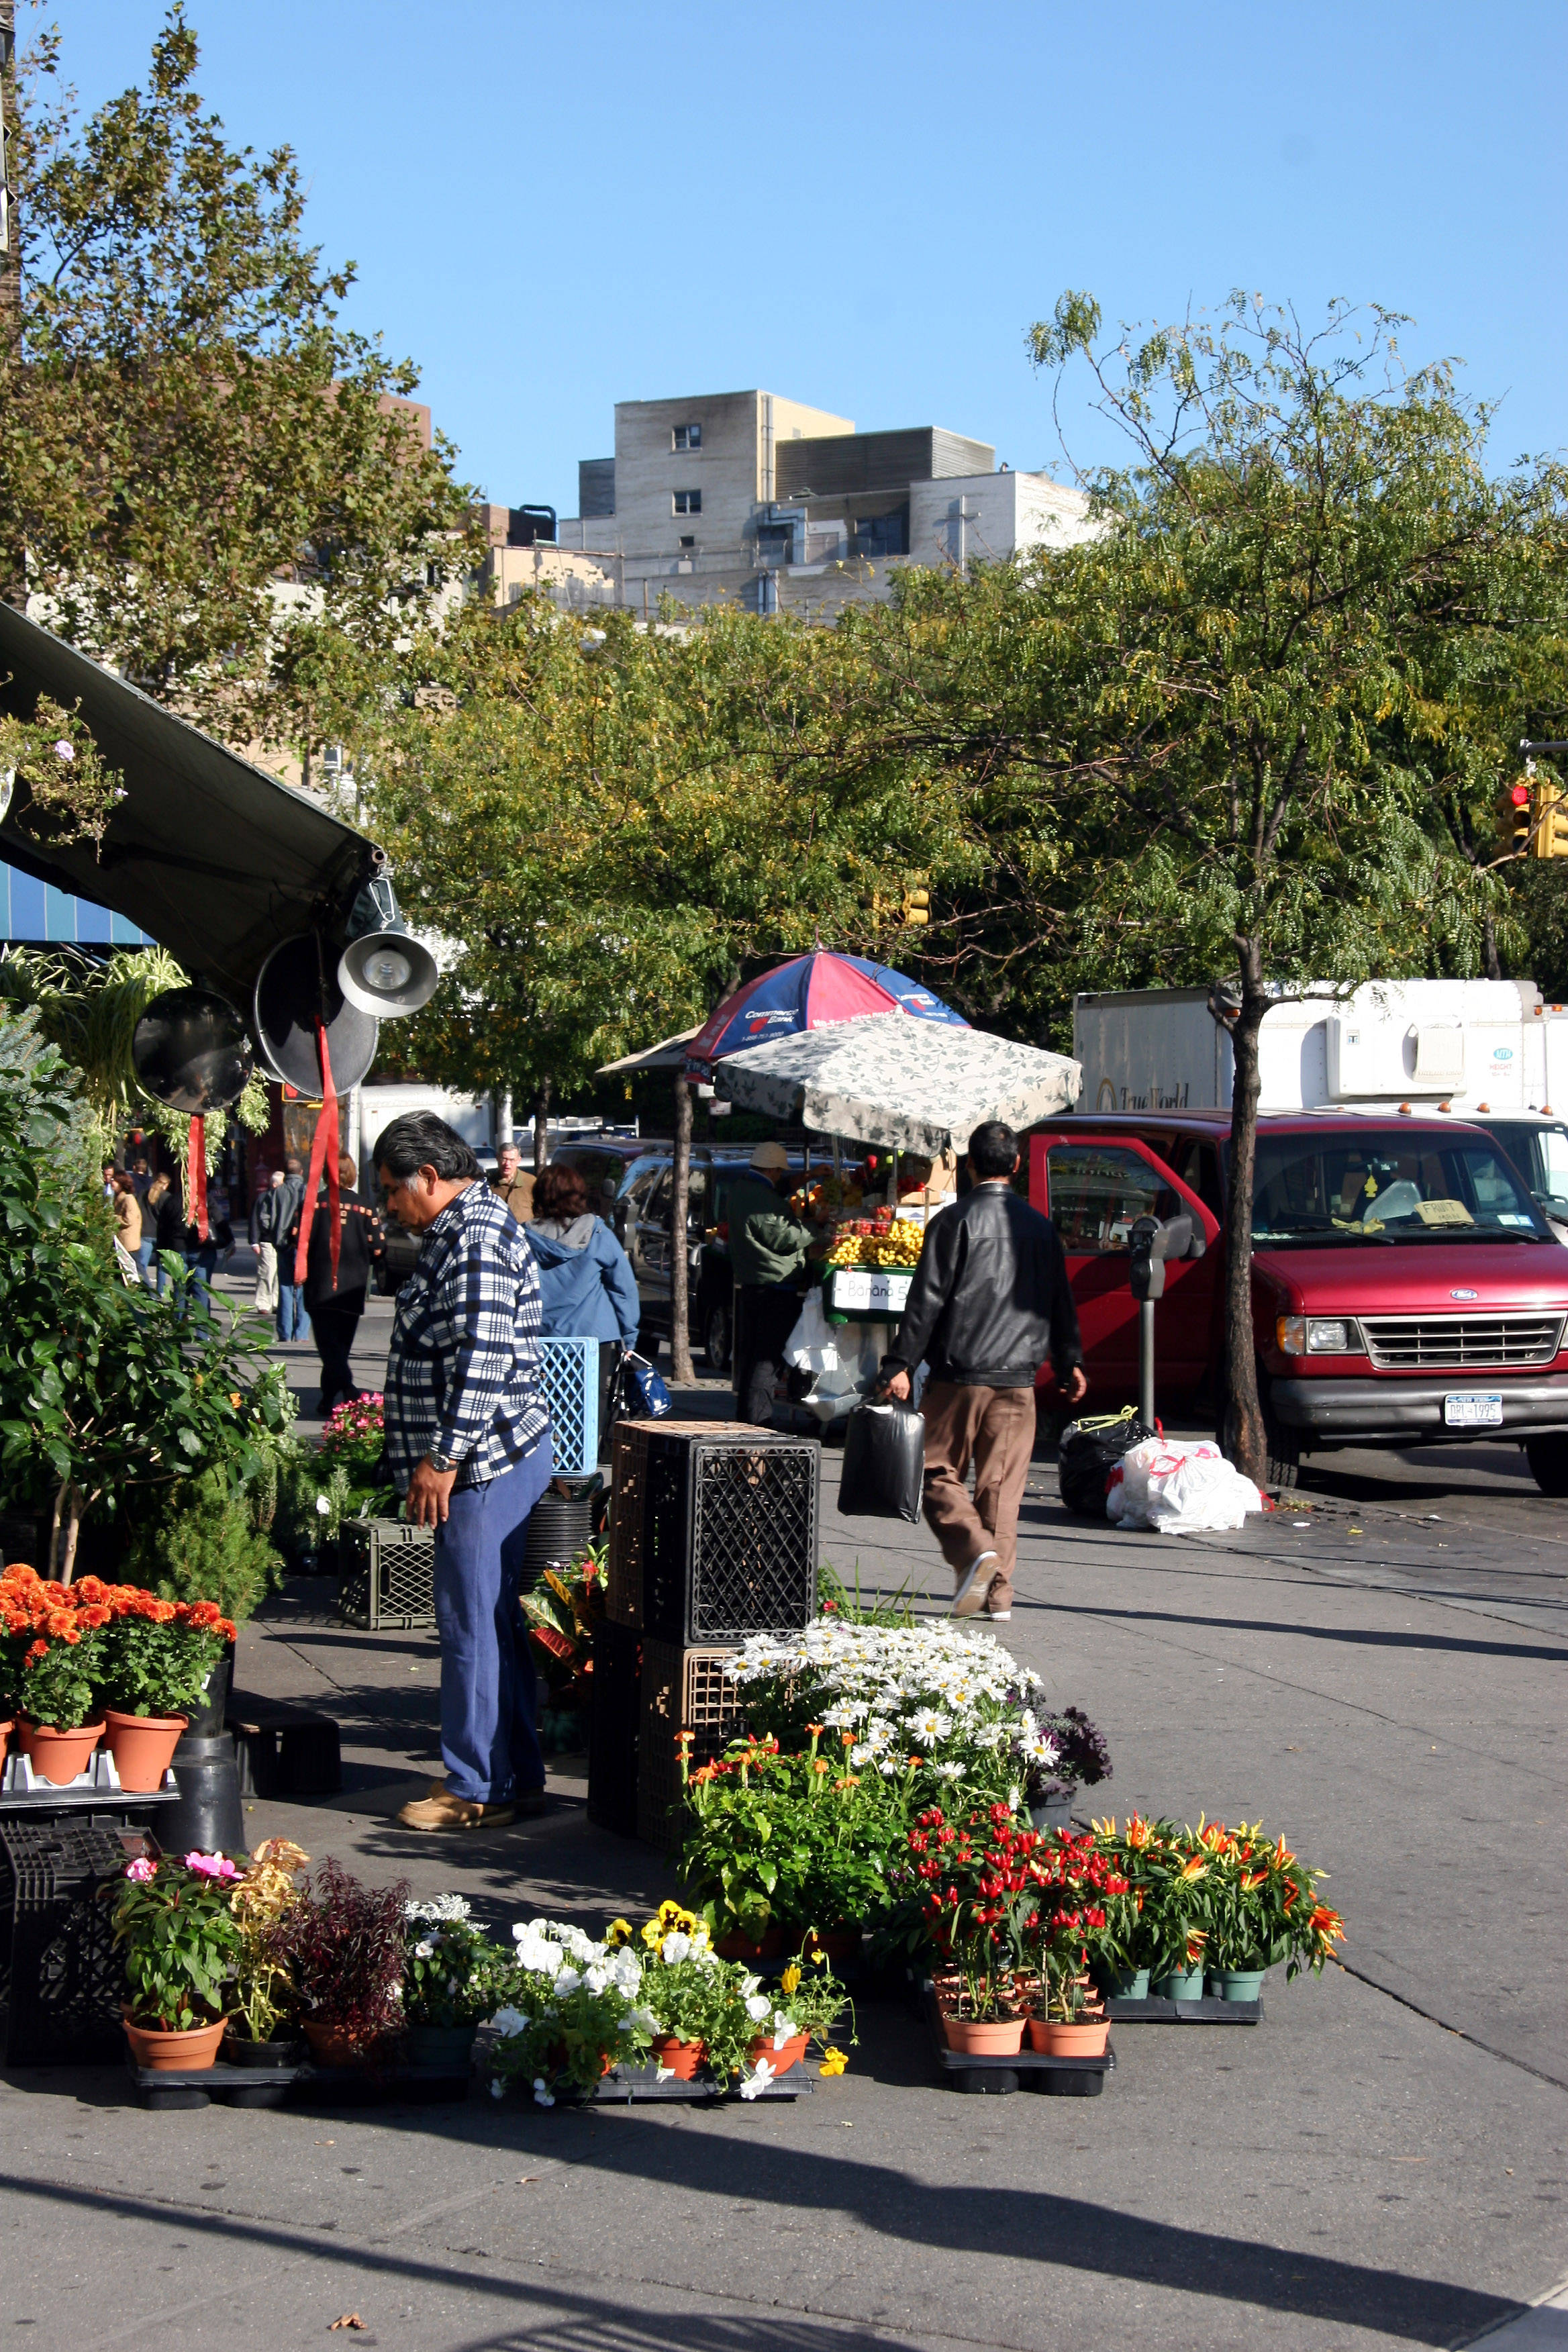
827,1195
883,1240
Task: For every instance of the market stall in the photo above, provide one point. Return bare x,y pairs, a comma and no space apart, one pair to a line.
907,1087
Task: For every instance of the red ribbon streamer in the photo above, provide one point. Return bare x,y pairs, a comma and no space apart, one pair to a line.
196,1177
324,1148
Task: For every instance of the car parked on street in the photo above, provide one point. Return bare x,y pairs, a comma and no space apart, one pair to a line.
1406,1287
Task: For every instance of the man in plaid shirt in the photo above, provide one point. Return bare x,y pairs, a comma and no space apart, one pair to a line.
468,1440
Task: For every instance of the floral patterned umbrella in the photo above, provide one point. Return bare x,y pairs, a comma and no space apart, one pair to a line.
905,1085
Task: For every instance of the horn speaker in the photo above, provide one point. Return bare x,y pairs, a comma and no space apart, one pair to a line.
297,989
189,1050
384,970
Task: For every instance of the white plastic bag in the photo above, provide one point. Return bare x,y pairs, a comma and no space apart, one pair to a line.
1180,1489
812,1346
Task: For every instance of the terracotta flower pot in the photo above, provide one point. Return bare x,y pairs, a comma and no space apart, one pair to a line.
1053,2039
331,2047
781,2060
681,2058
742,1947
58,1756
142,1747
990,2037
166,2052
6,1731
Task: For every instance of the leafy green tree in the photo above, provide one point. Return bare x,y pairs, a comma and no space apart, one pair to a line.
200,467
1205,742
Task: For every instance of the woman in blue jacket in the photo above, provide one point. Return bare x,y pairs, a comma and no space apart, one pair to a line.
587,1286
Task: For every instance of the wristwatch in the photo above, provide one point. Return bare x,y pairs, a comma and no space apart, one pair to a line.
440,1463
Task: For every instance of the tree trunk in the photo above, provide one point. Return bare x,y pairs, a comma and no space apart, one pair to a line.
73,1529
542,1125
1494,961
1242,1422
679,1206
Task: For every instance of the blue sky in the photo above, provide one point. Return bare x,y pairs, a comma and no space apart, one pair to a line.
863,206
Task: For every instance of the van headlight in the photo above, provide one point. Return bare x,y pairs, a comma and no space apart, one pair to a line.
1318,1335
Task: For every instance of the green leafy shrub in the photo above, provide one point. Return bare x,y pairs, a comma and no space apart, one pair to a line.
203,1545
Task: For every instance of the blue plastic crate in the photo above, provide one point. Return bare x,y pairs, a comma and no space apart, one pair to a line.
569,1375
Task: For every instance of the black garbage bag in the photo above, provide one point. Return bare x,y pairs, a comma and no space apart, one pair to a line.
884,1462
1088,1452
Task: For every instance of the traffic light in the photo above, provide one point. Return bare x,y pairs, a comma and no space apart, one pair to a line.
916,906
1551,822
1514,820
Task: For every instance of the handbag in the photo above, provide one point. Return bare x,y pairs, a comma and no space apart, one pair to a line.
884,1464
643,1394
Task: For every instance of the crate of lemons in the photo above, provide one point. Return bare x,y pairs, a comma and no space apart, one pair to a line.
579,2007
885,1241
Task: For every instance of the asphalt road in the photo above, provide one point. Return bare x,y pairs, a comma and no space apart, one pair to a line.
1376,1669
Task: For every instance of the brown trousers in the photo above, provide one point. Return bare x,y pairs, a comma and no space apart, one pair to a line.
994,1428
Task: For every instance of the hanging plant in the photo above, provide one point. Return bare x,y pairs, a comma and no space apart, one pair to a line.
63,790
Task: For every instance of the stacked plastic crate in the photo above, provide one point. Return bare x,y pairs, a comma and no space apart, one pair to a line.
713,1531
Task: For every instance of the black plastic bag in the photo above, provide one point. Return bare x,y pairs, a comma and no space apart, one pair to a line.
1088,1452
884,1464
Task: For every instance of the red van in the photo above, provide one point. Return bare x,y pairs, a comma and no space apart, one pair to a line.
1406,1290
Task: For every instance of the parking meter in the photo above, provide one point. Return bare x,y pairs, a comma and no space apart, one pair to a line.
1151,1243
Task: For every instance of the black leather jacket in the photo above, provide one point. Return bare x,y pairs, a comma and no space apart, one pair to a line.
989,1298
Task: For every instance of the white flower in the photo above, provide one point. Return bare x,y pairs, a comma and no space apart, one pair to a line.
324,1505
859,1755
543,2097
784,2030
64,751
1039,1747
498,2089
675,1948
930,1728
758,2007
568,1981
948,1771
426,1950
510,2021
758,2082
597,1978
439,1906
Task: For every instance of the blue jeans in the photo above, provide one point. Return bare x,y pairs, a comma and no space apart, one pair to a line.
488,1744
291,1316
144,1263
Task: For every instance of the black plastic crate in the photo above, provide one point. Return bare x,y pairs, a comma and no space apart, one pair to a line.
682,1690
613,1728
388,1571
62,1977
284,1750
731,1542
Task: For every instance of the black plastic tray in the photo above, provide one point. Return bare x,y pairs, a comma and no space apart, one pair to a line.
625,2085
271,2086
1022,2070
1122,2011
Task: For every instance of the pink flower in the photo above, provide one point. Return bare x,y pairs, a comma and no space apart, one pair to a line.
211,1865
141,1870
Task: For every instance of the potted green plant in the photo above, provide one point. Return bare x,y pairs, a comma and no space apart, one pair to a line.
1262,1909
176,1929
263,2022
803,2007
976,1891
576,2009
49,1663
1082,1905
156,1658
454,1978
343,1946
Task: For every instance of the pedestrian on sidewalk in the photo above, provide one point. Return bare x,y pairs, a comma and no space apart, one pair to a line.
769,1245
586,1286
468,1441
334,1302
264,1238
165,1209
128,1227
988,1302
514,1184
291,1293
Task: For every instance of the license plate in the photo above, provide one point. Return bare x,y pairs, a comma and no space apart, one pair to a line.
1471,1410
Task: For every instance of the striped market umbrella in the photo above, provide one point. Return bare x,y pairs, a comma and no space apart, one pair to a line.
809,992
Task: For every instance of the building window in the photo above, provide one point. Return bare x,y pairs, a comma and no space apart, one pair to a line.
686,437
688,501
687,541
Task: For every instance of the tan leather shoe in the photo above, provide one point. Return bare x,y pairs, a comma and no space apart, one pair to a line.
441,1809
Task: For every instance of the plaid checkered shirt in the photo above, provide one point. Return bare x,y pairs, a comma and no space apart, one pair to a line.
462,1377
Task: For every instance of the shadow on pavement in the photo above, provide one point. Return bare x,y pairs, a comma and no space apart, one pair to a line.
1024,2225
1368,1638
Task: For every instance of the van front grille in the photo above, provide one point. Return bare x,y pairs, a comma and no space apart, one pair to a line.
1438,1343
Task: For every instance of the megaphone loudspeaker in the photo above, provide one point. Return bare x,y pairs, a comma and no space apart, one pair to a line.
387,974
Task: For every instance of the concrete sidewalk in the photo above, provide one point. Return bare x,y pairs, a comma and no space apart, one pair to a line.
1381,2163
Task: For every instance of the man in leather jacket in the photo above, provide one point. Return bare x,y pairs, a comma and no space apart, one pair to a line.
989,1302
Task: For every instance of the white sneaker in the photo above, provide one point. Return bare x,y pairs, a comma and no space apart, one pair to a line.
972,1588
998,1616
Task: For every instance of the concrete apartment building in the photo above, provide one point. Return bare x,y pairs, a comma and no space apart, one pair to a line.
751,498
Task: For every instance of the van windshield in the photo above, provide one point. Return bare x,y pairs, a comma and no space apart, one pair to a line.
1380,1187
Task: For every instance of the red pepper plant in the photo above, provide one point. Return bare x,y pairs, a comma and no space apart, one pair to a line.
1084,1912
981,1900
